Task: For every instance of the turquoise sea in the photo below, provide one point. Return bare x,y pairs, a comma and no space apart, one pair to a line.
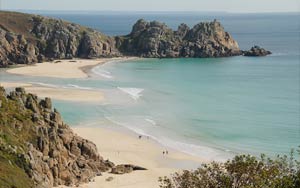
213,107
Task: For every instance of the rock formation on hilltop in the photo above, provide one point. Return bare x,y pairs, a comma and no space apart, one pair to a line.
155,39
27,39
37,149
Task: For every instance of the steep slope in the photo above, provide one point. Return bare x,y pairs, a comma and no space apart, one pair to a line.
155,39
37,149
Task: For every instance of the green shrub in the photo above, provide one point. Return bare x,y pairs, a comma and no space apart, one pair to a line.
243,171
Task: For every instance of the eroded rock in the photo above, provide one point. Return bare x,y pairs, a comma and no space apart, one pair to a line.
256,51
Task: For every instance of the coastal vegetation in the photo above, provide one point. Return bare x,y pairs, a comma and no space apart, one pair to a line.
243,171
37,149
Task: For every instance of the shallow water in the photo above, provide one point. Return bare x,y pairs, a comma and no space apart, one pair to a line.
207,107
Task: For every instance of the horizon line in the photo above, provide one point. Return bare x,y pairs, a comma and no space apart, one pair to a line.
154,11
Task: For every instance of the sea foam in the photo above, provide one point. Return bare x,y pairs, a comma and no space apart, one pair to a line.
151,121
101,72
44,84
79,87
135,93
144,129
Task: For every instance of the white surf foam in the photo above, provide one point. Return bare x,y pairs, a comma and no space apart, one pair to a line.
101,72
205,152
196,150
79,87
135,93
134,129
44,84
151,121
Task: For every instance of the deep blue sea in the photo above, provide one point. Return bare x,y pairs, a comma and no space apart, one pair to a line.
213,107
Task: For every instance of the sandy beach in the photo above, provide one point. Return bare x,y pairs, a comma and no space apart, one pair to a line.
66,94
67,69
125,148
75,68
118,146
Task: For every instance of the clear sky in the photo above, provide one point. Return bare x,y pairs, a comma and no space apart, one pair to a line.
157,5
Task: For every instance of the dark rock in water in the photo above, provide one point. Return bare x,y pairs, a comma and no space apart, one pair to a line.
155,39
256,51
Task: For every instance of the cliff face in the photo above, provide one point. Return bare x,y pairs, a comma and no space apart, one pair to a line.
155,39
26,39
37,149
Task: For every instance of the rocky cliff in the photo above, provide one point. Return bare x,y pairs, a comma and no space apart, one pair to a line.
27,39
37,149
155,39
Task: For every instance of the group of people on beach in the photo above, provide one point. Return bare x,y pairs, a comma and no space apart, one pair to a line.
166,152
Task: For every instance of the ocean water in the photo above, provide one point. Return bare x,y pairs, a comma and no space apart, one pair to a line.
213,107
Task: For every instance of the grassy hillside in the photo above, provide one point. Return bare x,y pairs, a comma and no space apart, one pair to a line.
16,128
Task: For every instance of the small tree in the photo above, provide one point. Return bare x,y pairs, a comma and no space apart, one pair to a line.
243,171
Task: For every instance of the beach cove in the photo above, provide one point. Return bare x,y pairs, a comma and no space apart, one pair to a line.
197,109
119,145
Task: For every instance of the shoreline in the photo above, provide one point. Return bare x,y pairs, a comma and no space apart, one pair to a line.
88,68
68,69
62,94
121,147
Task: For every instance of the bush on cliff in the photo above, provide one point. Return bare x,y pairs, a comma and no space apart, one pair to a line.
242,171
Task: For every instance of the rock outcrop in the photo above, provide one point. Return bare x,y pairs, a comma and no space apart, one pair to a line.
124,169
155,39
256,51
27,39
53,154
37,149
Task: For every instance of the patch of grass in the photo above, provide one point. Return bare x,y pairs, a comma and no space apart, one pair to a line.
12,176
16,129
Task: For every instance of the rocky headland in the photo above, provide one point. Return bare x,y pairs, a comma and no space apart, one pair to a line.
28,39
37,149
155,39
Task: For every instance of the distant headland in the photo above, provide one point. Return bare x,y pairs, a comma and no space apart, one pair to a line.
28,39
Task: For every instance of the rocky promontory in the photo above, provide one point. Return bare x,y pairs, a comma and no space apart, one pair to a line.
37,149
155,39
28,39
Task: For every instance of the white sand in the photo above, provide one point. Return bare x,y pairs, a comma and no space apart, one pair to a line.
120,148
76,95
123,148
63,68
67,94
14,84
